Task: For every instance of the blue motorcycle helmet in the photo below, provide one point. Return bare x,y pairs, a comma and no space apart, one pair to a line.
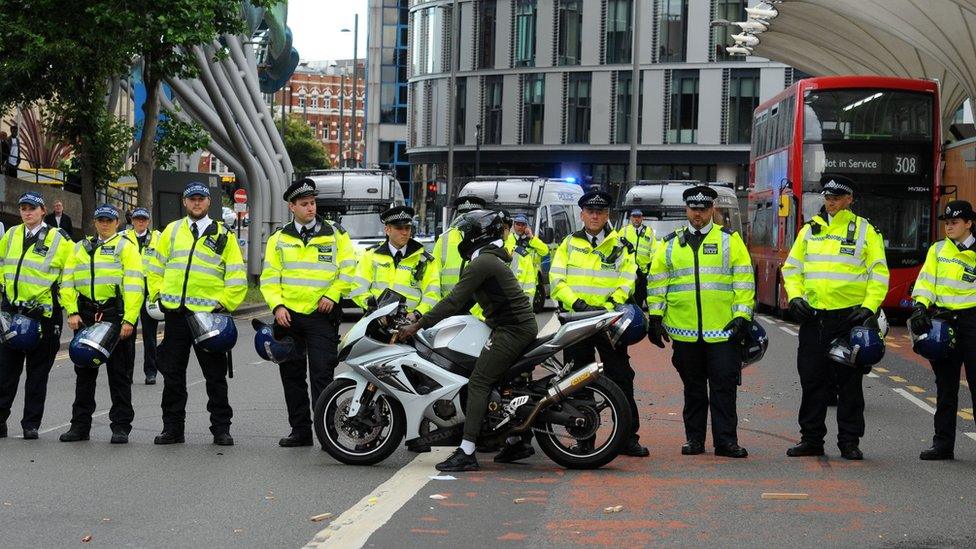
862,349
630,328
92,346
274,347
753,346
939,343
213,332
19,332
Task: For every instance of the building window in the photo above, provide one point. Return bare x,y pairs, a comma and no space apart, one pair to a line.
486,55
525,33
624,102
578,108
673,29
743,100
301,101
315,101
460,111
533,107
570,25
435,40
729,10
683,126
494,91
618,31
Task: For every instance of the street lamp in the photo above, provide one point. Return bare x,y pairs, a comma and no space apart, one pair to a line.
355,82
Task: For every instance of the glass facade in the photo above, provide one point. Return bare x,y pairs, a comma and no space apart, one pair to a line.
494,92
570,31
533,107
683,123
729,10
525,22
743,100
673,30
578,108
486,36
460,111
618,37
624,101
392,155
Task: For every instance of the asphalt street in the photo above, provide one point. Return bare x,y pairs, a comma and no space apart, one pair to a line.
258,495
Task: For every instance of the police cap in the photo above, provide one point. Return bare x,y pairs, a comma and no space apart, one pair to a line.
836,185
958,209
699,197
300,189
595,200
398,216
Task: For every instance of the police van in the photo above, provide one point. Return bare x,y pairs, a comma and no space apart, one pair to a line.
551,206
664,208
354,198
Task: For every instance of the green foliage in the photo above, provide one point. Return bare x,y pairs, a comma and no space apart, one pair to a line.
305,150
175,136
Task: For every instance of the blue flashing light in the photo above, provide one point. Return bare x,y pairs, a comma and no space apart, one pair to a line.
571,179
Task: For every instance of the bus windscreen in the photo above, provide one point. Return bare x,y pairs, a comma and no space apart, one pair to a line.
867,115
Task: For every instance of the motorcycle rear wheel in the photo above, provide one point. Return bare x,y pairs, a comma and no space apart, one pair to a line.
579,450
331,426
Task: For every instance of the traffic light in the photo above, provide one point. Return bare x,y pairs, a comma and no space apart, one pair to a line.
431,191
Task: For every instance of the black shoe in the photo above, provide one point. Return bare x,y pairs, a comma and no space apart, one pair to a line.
634,449
223,439
731,451
30,434
72,435
3,430
293,440
119,437
804,449
511,453
849,450
169,437
151,380
935,454
418,448
459,461
692,448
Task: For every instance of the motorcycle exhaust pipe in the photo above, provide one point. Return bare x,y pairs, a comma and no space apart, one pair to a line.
561,390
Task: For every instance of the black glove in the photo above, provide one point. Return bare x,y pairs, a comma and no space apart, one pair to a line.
801,310
859,316
739,328
919,322
580,306
656,333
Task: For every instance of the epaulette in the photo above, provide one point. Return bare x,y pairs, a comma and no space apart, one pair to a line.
728,230
339,228
428,256
375,246
277,229
671,236
626,244
64,233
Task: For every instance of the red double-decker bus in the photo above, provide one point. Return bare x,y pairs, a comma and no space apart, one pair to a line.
881,132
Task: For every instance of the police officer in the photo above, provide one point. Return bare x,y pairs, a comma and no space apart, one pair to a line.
33,256
594,269
147,239
308,266
399,263
446,256
103,282
641,239
197,268
700,295
530,242
836,277
947,284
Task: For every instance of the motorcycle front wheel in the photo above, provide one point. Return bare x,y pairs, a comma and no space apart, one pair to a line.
597,437
366,440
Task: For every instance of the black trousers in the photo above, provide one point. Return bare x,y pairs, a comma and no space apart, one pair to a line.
174,356
504,347
819,376
318,333
119,386
149,327
38,363
947,380
710,374
616,366
640,289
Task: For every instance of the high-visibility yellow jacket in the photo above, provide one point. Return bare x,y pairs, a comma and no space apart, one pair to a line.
103,272
197,274
415,277
297,274
948,278
699,293
643,241
837,265
31,274
147,249
448,260
534,246
602,276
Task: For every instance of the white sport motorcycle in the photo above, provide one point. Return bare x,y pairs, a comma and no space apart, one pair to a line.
417,390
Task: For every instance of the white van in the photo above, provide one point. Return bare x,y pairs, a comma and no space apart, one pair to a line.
552,206
664,209
354,198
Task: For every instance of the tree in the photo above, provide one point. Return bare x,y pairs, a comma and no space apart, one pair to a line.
164,32
173,136
306,151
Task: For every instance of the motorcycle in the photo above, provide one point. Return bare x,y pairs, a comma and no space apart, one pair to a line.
417,390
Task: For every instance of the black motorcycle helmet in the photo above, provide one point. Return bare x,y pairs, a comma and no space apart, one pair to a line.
478,228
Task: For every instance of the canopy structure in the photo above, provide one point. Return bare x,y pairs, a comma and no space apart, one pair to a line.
933,39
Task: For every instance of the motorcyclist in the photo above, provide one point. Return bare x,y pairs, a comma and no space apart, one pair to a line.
488,280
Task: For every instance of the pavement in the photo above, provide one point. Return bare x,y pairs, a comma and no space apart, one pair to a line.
258,495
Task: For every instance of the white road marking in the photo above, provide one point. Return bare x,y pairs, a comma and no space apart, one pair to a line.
63,425
872,374
971,435
354,527
766,319
915,400
789,331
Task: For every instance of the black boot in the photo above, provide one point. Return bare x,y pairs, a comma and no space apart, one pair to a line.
296,439
511,453
804,449
3,430
223,439
74,434
936,454
458,462
634,449
30,433
169,437
693,448
731,451
849,450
